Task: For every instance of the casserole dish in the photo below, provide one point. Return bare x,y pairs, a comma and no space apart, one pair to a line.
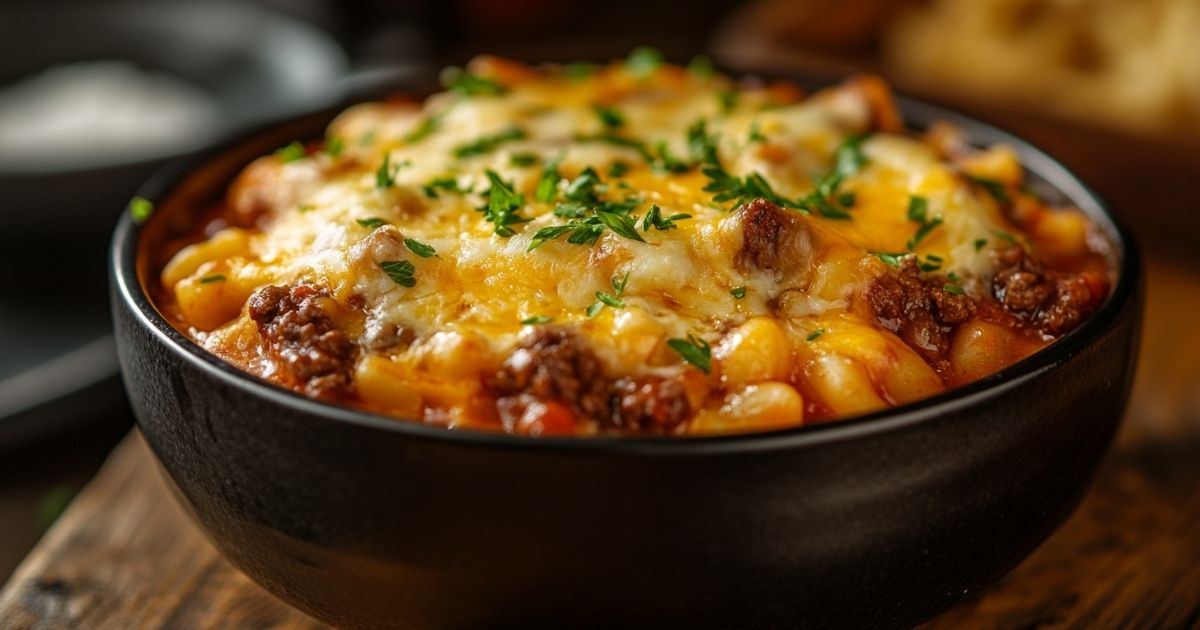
879,520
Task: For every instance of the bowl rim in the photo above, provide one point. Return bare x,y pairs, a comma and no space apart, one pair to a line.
916,113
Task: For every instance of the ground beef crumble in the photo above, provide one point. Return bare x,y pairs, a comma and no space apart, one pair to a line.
919,310
1053,302
554,370
298,329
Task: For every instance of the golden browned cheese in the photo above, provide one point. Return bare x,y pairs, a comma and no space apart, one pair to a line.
632,248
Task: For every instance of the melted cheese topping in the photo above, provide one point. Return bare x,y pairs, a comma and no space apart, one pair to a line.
326,220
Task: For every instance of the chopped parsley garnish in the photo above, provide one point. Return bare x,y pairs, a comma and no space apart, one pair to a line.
547,186
371,222
486,144
609,299
619,141
953,288
522,159
825,199
367,138
727,100
755,134
622,224
741,190
468,84
980,243
954,277
400,271
334,146
643,61
424,129
216,277
693,350
847,199
738,293
891,260
931,263
701,146
1001,234
582,189
667,161
812,336
608,116
292,152
536,319
655,219
918,212
617,169
419,248
701,67
502,206
994,188
385,175
140,209
448,183
579,70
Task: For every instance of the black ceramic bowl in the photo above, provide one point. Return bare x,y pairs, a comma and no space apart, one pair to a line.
878,521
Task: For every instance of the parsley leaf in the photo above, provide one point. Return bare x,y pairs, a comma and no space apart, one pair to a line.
536,319
292,152
449,183
738,293
980,243
424,129
755,134
701,67
727,100
695,351
140,209
667,161
385,175
468,84
617,169
503,204
701,146
994,188
655,219
812,336
371,222
582,189
621,224
400,271
918,212
334,146
643,61
216,277
609,117
547,186
953,288
522,159
488,143
606,299
918,208
891,260
419,248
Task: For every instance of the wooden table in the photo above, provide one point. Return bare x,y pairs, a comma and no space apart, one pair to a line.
124,555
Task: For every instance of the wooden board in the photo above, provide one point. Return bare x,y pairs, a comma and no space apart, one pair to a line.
124,555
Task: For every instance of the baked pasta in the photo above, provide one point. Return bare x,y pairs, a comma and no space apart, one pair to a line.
633,248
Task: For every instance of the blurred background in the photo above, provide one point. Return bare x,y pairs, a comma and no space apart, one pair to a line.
95,95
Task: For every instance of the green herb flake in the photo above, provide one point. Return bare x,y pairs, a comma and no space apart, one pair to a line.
606,299
371,222
890,259
447,183
621,224
385,175
419,248
922,232
701,67
980,243
954,277
812,336
953,288
727,100
140,209
617,169
1005,236
755,134
467,84
522,159
655,219
547,186
400,271
292,152
994,188
334,146
609,117
918,209
216,277
502,206
487,144
643,61
695,351
536,319
424,129
579,70
738,293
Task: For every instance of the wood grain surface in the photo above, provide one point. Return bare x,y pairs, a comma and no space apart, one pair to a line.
124,555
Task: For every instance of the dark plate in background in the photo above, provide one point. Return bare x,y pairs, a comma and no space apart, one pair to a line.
57,365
